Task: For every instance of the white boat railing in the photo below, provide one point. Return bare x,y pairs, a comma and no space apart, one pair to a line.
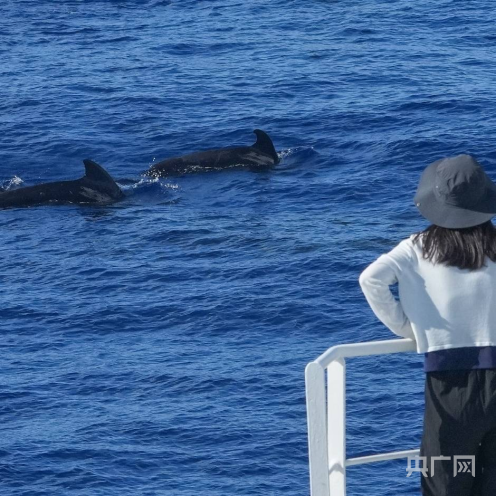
327,416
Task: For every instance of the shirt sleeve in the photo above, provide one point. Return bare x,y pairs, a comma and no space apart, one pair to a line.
375,281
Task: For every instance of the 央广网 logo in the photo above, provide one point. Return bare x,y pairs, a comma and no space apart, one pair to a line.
461,464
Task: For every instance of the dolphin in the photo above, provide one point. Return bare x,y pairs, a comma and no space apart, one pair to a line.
260,154
95,187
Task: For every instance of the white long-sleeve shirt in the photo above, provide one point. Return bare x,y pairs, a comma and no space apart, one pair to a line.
441,307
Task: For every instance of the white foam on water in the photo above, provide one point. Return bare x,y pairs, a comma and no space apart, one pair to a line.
12,183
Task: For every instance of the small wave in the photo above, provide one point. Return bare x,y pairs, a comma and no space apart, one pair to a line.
357,31
92,89
119,39
431,104
66,30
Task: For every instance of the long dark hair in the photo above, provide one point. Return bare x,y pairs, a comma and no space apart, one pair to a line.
463,248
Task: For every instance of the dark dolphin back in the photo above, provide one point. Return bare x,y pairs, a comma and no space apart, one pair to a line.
97,174
265,145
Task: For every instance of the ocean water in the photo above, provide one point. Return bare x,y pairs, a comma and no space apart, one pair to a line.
157,346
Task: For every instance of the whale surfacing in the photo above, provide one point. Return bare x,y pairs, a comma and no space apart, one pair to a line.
95,187
259,155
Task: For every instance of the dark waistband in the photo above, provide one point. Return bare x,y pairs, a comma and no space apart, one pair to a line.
474,357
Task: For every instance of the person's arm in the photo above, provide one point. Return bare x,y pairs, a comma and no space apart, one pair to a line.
375,281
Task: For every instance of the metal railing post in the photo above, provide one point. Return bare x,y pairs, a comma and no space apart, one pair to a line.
317,430
336,426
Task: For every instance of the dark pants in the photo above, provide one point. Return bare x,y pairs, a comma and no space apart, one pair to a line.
460,420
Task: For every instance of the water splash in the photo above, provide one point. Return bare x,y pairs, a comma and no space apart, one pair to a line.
12,183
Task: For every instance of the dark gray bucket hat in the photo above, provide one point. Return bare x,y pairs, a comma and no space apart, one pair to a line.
455,192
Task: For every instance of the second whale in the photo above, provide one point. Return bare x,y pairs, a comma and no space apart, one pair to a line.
261,154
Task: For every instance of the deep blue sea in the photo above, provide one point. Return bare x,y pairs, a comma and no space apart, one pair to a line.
157,346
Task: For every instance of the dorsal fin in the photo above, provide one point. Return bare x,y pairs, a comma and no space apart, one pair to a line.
95,172
265,145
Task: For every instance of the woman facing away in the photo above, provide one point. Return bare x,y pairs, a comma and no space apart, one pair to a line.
446,279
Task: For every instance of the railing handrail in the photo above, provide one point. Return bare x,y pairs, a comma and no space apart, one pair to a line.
327,447
349,350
